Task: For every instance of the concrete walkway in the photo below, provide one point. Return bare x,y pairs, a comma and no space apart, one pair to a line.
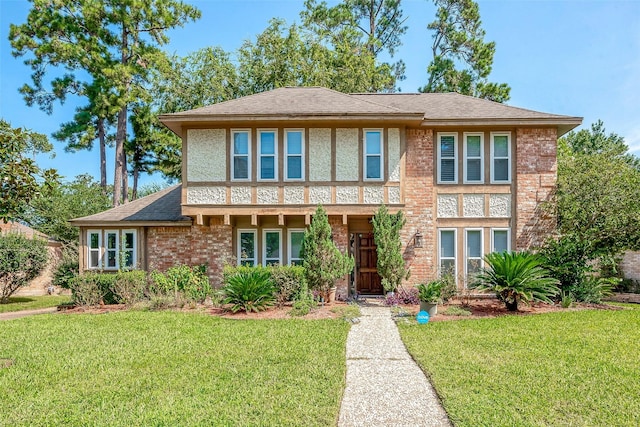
385,387
18,314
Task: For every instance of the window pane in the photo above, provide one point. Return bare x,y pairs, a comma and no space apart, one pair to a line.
241,143
93,258
294,167
474,249
473,146
111,241
267,143
501,170
473,170
501,146
500,240
447,265
296,243
128,259
247,246
272,245
373,143
128,240
447,244
373,167
240,167
447,146
447,170
111,258
267,170
294,142
473,266
94,238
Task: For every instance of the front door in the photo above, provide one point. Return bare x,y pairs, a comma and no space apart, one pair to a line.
367,278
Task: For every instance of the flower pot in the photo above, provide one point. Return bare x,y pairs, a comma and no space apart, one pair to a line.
330,297
429,307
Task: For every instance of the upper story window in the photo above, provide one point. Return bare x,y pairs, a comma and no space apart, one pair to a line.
373,161
268,155
241,155
447,158
500,157
473,158
294,155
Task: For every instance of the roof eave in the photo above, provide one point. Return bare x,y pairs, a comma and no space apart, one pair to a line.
564,124
124,223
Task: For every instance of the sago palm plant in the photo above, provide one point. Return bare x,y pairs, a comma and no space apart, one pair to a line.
515,277
249,291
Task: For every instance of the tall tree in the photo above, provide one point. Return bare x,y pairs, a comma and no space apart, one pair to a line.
20,176
117,39
458,40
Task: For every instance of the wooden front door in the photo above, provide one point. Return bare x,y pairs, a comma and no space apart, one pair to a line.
367,278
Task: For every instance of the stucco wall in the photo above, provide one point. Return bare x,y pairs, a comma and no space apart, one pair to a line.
206,155
347,154
319,154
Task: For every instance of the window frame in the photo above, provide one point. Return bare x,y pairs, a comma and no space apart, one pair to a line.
239,245
260,156
107,249
290,257
493,244
493,158
287,155
366,155
467,258
98,249
234,155
466,158
133,250
265,261
455,250
455,157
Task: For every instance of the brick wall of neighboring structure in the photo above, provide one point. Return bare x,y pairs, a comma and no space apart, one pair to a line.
535,173
630,265
195,245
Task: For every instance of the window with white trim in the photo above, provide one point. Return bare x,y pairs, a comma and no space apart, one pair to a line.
267,155
94,249
111,252
294,154
473,251
240,155
373,154
473,158
272,247
500,240
247,253
501,157
128,248
296,236
447,251
447,158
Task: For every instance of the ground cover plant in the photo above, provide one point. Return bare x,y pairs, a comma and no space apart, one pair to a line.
564,368
33,303
170,368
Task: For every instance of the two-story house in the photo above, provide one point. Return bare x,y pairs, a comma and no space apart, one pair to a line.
472,176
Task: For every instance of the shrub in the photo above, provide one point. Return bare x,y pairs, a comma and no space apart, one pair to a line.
593,289
192,283
567,259
21,260
249,291
66,269
431,292
390,263
88,289
129,287
287,281
408,295
515,277
449,287
566,299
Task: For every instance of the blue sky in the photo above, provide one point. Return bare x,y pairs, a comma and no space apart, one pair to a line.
573,57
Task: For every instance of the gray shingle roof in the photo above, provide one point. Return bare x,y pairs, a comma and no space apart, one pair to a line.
163,206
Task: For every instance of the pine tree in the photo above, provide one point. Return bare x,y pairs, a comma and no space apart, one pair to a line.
386,233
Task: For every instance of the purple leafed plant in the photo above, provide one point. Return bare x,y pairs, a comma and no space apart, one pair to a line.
402,296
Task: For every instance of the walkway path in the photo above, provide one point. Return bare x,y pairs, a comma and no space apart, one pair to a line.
385,387
17,314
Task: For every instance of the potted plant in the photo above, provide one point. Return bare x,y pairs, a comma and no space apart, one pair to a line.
430,294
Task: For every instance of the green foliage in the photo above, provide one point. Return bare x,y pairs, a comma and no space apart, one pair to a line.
323,261
249,291
92,288
459,39
129,287
430,292
33,302
21,260
190,283
288,280
67,268
449,286
566,299
516,277
386,233
19,174
456,310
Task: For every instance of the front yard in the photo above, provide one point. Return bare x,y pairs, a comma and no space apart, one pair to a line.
19,303
170,368
567,368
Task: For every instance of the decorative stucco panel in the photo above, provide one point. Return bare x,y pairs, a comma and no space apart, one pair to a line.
267,195
319,194
447,206
373,195
394,195
319,154
294,195
394,154
473,205
206,196
241,195
500,205
346,195
206,155
347,154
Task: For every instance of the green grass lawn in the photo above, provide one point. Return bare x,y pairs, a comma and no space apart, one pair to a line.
169,368
564,369
32,303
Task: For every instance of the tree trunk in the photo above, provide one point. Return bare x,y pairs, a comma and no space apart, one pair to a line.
125,178
134,191
103,156
121,134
